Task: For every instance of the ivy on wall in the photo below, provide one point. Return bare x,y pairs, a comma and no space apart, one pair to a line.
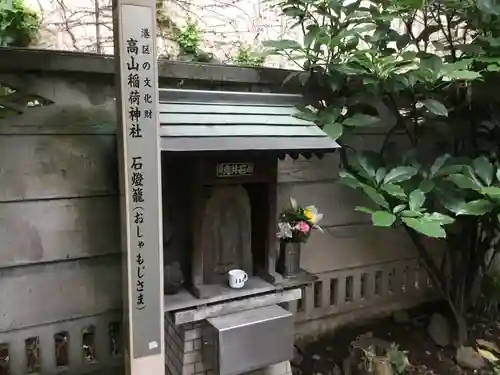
246,56
19,25
189,39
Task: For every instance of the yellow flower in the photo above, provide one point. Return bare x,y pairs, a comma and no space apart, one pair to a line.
309,215
312,214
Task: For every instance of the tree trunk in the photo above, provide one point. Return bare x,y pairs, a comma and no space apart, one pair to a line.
462,330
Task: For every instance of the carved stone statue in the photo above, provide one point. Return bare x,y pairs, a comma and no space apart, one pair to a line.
226,233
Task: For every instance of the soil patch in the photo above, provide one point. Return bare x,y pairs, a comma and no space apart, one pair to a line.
325,356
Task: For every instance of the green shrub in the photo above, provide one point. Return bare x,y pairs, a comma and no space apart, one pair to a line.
246,57
19,25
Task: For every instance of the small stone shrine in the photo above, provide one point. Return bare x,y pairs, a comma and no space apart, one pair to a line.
219,175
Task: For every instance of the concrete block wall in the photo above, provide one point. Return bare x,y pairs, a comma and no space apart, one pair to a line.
184,353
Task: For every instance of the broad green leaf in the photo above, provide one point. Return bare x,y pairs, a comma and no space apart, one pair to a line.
426,186
398,209
459,65
498,174
311,35
491,191
375,196
402,41
435,107
383,219
433,63
471,173
484,169
394,190
408,213
409,55
451,202
365,210
428,228
329,115
365,165
476,208
293,12
464,182
466,75
450,169
488,7
361,120
334,130
400,174
281,44
493,68
442,219
438,164
416,200
349,179
307,116
364,28
488,60
380,174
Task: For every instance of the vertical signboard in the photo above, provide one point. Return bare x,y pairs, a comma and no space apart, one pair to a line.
138,128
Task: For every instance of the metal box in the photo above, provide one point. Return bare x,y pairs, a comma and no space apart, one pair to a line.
249,340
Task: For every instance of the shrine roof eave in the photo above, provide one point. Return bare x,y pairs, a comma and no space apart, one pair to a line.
209,121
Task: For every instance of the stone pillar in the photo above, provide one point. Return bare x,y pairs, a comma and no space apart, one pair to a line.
183,352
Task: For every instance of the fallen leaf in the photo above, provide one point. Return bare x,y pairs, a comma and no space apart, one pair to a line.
489,356
491,346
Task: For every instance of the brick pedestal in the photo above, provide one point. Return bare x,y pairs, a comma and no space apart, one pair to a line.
183,352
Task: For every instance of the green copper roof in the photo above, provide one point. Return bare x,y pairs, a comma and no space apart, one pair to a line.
196,120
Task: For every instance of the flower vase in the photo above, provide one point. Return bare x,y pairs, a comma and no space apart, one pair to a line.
288,264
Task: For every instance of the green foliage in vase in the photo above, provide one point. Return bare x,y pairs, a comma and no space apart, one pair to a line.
296,223
422,75
19,25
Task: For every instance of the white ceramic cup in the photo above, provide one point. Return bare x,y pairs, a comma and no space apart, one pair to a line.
237,278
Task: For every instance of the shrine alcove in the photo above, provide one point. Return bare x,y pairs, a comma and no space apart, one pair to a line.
226,232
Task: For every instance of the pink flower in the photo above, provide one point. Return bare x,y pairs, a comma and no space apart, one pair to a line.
303,227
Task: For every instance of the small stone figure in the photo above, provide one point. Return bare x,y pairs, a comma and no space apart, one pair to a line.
173,278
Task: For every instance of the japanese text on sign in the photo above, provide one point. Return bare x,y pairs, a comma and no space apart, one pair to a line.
141,183
234,169
140,114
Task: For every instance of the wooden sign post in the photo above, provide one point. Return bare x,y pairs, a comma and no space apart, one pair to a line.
140,184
